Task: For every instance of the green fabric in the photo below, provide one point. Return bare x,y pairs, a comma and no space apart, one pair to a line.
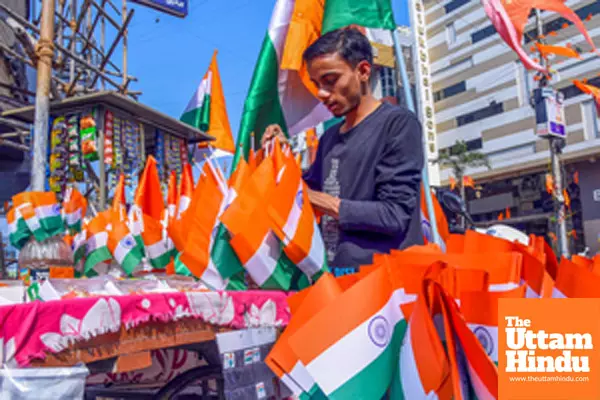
199,117
370,14
262,106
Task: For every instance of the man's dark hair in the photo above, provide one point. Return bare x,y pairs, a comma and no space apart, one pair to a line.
349,43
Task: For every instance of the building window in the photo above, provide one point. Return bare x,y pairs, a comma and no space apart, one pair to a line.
454,4
388,82
482,34
451,34
557,24
474,144
590,120
489,111
450,91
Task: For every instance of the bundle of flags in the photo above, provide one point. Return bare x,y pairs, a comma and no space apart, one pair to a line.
419,323
37,215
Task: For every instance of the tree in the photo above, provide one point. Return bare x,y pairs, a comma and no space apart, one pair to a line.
459,158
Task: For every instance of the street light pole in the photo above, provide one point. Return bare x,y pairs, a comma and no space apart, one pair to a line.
45,53
555,150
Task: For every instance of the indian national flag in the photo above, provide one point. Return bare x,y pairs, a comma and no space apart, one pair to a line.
207,111
172,197
471,360
295,223
423,371
350,347
123,245
204,223
119,199
148,195
48,211
27,211
255,244
281,91
480,311
282,360
18,232
79,245
97,242
155,247
74,209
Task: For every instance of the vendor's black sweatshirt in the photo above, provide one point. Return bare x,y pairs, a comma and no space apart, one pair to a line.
375,168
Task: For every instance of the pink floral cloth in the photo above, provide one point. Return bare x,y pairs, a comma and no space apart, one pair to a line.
29,331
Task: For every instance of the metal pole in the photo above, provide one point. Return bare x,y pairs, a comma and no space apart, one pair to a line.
102,42
425,173
561,219
72,43
2,260
124,69
45,52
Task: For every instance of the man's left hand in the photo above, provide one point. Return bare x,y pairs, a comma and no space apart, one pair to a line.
325,203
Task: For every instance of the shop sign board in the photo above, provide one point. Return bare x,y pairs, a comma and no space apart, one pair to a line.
177,8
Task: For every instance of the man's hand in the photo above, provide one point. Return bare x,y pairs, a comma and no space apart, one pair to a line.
325,203
273,131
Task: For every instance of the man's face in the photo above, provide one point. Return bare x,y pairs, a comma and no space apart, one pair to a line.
340,85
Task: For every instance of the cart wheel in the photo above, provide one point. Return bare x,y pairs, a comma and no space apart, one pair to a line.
203,374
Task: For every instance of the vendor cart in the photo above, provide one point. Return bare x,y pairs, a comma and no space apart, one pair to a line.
176,345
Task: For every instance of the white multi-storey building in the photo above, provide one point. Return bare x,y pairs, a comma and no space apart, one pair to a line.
481,95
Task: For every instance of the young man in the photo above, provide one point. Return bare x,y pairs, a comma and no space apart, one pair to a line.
367,173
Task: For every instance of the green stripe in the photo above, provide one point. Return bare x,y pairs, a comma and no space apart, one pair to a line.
370,14
75,228
180,267
224,257
162,261
20,236
374,380
53,225
199,117
96,257
262,106
281,278
79,253
132,260
237,282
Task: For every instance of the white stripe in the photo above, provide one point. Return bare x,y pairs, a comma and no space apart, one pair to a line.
73,217
291,385
302,377
503,287
264,261
493,332
156,250
184,203
529,292
123,248
212,277
481,391
557,294
96,241
293,219
316,256
197,99
48,211
412,387
356,349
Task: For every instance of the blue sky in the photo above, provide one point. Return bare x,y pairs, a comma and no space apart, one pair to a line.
169,57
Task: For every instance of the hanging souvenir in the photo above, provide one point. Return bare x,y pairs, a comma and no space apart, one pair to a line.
129,147
108,137
59,155
88,128
160,152
75,161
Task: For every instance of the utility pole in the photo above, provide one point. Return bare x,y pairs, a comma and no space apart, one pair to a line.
45,53
555,150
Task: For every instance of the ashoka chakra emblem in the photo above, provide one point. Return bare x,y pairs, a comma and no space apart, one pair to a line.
485,338
129,242
379,331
